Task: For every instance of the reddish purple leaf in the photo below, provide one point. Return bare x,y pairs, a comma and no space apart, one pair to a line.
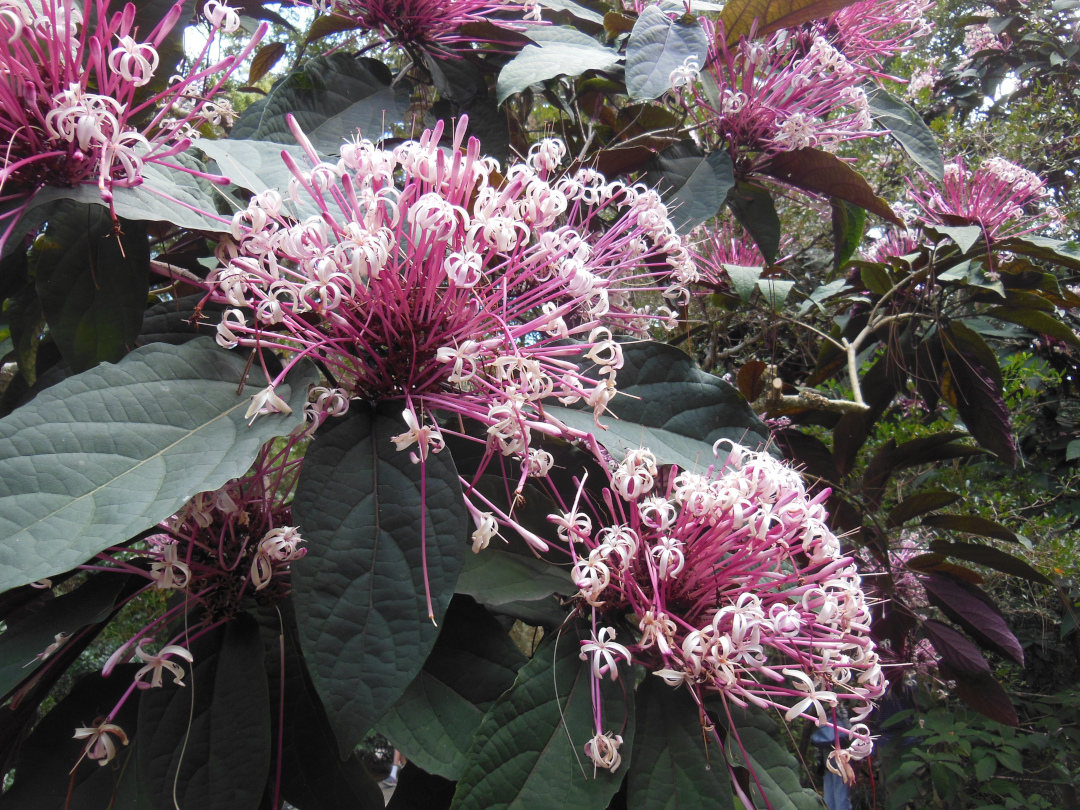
823,173
975,388
991,558
955,649
972,524
972,609
986,696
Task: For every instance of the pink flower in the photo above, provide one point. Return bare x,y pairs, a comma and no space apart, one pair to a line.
421,281
999,196
431,25
70,97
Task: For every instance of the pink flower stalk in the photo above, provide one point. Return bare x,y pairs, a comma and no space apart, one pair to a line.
737,586
790,91
70,96
871,32
997,196
430,25
428,279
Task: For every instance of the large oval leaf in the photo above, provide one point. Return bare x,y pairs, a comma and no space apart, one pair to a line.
668,404
43,767
473,663
360,599
672,769
694,185
821,172
215,730
528,755
33,631
739,16
331,97
99,457
559,51
92,282
755,742
657,46
971,608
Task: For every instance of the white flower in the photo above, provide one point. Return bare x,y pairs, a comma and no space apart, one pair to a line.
605,653
686,74
266,402
603,750
486,528
134,61
99,744
277,546
156,663
168,571
427,437
221,16
669,557
58,641
814,697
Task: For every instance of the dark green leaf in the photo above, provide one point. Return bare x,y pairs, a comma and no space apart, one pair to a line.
744,280
753,206
672,769
360,597
909,129
965,236
463,91
672,407
1041,247
46,758
472,664
176,321
331,97
155,199
657,46
107,453
497,577
528,751
559,51
1038,322
92,283
985,768
694,185
257,166
756,734
419,790
848,224
775,291
313,776
28,636
920,504
823,173
215,730
991,558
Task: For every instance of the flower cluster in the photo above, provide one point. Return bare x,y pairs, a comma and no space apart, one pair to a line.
997,196
737,587
424,275
73,84
721,245
872,32
221,549
430,25
790,91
